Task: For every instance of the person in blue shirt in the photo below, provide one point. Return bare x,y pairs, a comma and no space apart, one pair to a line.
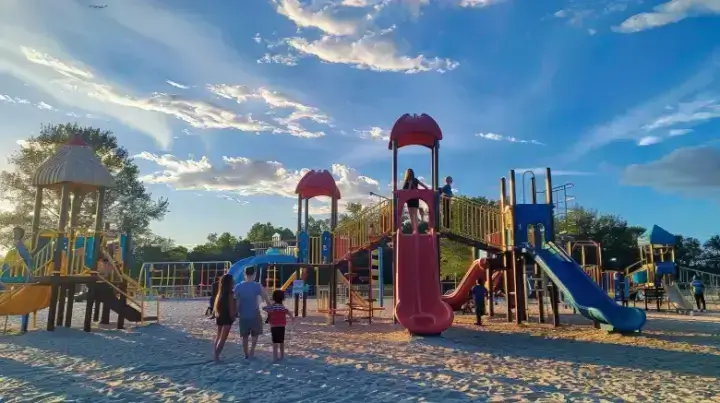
446,196
479,293
699,292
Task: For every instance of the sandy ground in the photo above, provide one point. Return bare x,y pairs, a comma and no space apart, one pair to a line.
676,359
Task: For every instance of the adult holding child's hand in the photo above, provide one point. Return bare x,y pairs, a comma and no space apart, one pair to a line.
248,294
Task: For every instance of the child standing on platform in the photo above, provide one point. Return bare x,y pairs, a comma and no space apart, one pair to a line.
479,293
277,316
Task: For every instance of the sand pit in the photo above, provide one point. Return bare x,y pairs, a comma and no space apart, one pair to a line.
676,359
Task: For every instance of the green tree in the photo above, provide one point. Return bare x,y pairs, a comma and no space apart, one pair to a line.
688,251
128,205
264,232
317,226
352,212
455,258
711,254
617,238
223,247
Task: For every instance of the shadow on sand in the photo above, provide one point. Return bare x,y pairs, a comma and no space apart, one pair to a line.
49,380
577,351
171,358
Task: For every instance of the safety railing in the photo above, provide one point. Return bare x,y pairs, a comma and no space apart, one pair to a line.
315,252
371,224
686,275
470,220
12,289
178,279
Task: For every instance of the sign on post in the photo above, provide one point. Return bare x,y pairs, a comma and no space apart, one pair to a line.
298,287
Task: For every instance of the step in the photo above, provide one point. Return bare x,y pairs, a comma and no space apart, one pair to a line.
150,318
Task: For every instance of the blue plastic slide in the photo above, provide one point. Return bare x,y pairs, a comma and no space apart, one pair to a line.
582,292
237,270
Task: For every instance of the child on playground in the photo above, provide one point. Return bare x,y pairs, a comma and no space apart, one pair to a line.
277,316
479,293
225,312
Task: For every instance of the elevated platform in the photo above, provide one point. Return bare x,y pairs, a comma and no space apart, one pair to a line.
471,242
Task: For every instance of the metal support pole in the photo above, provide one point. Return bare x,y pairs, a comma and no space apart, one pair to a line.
395,224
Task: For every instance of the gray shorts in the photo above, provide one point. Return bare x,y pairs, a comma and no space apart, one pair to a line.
251,326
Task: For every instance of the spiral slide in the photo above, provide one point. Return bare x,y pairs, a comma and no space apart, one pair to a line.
477,271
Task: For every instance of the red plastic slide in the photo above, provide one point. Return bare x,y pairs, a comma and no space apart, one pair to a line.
420,307
462,293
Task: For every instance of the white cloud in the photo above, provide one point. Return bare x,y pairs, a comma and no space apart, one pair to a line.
231,198
13,100
690,170
359,3
499,137
479,3
285,59
680,132
54,49
321,19
681,105
77,87
44,106
291,123
668,13
372,52
177,85
693,112
246,177
649,140
198,114
580,13
374,133
353,41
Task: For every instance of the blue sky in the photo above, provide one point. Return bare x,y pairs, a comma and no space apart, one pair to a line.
225,103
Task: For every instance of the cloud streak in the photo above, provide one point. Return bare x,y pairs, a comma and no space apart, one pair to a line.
668,13
510,139
684,105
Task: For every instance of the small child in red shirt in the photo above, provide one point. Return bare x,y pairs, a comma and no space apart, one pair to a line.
277,316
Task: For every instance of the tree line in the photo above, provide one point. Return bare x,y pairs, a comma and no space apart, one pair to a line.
131,208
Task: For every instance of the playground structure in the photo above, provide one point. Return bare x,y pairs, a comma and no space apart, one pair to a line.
48,273
591,260
656,276
515,236
181,279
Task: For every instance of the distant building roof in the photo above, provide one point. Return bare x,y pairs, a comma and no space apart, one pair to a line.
656,236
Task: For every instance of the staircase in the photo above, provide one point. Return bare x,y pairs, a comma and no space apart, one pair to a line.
138,299
129,310
369,229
